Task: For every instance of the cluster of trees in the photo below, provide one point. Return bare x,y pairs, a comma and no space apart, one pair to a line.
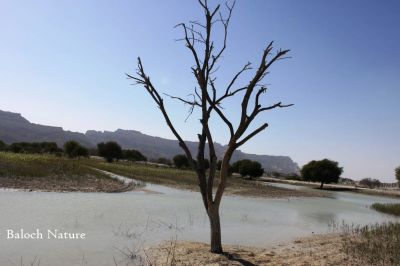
181,162
397,173
112,151
252,169
324,171
370,182
31,147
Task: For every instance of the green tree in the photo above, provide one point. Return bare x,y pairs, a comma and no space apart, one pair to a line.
324,171
235,166
256,170
3,146
73,149
110,151
181,161
246,167
397,172
82,152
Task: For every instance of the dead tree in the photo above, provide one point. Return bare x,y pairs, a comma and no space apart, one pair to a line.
198,38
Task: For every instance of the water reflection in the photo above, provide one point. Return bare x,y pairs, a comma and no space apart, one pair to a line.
115,222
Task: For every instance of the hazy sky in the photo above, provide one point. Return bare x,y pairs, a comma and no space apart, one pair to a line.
62,63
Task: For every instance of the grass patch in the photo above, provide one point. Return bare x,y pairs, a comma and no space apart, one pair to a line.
149,173
35,171
51,173
42,165
377,244
388,208
186,179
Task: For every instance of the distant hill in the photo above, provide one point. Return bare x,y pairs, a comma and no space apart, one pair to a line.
15,128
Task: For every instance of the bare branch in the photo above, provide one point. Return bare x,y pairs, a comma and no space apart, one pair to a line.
252,134
193,103
245,67
144,80
225,24
189,44
280,105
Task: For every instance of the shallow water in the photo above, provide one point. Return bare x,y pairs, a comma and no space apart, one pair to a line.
114,223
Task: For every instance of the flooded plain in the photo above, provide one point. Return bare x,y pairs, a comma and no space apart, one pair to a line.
117,225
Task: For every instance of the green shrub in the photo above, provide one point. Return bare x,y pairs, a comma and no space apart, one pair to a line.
181,161
389,208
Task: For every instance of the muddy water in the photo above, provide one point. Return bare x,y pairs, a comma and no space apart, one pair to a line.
117,224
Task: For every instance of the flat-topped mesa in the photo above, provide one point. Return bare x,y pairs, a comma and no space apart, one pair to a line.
15,128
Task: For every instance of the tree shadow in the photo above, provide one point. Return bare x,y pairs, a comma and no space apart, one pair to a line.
237,258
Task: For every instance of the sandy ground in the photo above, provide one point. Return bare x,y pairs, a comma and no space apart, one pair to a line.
315,250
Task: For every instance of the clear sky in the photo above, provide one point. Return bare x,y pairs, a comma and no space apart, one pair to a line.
62,63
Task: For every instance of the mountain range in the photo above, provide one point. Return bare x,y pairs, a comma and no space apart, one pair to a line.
15,128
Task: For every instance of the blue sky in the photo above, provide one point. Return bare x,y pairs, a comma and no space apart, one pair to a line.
62,63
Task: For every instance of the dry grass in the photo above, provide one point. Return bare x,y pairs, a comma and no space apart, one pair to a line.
377,244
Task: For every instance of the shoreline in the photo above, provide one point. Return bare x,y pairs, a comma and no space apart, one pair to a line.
391,193
319,249
115,186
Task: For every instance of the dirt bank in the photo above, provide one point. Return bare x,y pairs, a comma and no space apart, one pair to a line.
86,183
315,250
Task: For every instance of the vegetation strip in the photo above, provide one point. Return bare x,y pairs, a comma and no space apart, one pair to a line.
389,208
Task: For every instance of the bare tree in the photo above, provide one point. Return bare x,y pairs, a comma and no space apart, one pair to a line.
198,38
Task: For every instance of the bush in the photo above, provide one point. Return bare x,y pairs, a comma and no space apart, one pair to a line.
73,149
324,171
133,155
110,151
181,161
389,208
397,173
370,183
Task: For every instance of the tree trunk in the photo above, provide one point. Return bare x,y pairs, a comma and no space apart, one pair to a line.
322,185
215,227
